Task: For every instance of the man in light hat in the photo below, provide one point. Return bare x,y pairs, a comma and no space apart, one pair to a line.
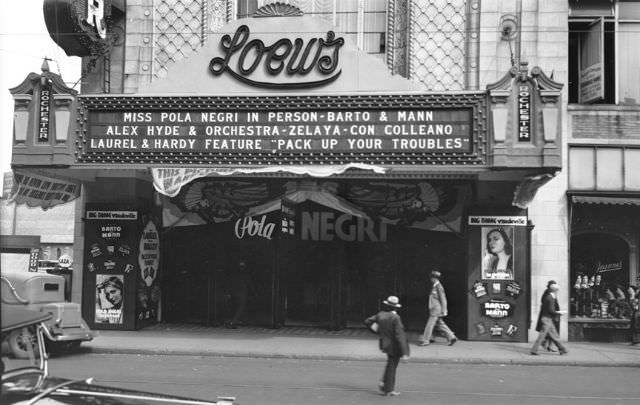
437,311
393,341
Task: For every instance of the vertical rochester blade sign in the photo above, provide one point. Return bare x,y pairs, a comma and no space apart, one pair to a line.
524,112
44,112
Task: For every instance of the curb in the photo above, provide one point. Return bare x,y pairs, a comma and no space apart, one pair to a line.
330,357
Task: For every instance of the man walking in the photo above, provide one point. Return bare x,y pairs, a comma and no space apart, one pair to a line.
549,311
437,311
393,341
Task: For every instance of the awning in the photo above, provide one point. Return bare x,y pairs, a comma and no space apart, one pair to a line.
40,188
589,199
169,181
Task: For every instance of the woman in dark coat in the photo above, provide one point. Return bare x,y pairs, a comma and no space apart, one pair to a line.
548,343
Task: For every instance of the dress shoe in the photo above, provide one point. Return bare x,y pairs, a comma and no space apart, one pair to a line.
392,394
534,353
453,341
423,343
562,352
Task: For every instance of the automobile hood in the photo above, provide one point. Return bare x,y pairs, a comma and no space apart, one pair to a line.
82,393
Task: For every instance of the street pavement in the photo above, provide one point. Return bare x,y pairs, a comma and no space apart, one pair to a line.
354,344
302,381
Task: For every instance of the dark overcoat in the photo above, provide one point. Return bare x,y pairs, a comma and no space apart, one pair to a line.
549,307
393,339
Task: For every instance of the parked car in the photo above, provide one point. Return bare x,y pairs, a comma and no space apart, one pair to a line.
44,293
28,380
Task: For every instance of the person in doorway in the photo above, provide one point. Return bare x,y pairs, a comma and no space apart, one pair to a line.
393,341
437,311
239,283
549,311
498,262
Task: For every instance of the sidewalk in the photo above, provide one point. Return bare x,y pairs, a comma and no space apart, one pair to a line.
351,344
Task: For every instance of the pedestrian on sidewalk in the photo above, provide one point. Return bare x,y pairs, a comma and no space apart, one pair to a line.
549,311
393,341
635,317
437,311
548,343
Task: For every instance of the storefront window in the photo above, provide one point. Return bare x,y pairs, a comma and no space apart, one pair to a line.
600,286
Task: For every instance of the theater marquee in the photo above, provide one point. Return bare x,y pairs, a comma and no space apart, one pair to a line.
388,129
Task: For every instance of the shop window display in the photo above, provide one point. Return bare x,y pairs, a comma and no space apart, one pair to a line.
600,273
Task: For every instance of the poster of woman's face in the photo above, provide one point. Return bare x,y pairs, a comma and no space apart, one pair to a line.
497,253
109,298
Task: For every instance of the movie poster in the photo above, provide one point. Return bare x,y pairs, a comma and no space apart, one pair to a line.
148,286
109,298
496,290
497,252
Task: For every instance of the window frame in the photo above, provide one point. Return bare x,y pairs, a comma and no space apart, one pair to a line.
611,97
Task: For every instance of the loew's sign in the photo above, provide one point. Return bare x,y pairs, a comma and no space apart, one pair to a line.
290,59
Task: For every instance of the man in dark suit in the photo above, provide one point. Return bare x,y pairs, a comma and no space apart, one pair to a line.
549,311
393,341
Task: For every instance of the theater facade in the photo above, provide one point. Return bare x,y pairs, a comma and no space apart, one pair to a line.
281,143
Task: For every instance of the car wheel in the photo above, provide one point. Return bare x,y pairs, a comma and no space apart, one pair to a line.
23,342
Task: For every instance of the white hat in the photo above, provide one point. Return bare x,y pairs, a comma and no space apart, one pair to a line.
392,301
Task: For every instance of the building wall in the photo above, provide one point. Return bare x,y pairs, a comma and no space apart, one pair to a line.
604,138
543,43
55,225
494,56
